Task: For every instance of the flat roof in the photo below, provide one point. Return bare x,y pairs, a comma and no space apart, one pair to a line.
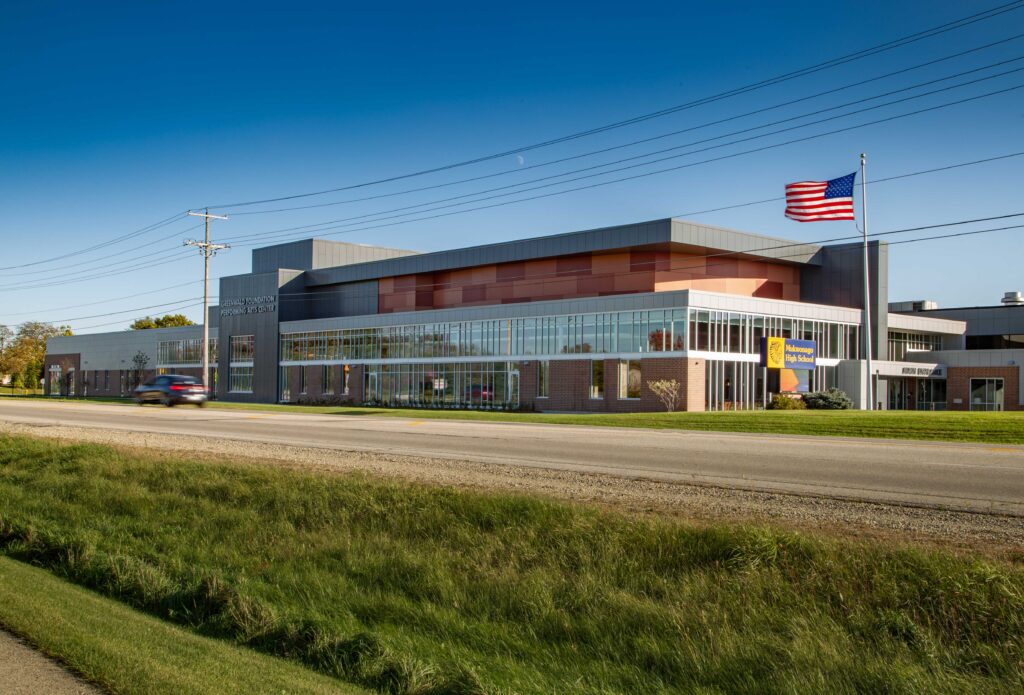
663,234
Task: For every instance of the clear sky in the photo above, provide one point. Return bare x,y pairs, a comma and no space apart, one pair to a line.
118,116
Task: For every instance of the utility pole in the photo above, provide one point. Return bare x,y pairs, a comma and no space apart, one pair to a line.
206,249
867,284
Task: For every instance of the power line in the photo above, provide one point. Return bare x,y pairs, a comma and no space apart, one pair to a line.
669,149
863,53
103,301
128,266
104,262
305,296
125,311
138,232
661,136
114,323
561,175
655,172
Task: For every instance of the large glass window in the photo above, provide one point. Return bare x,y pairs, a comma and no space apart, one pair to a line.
629,379
241,379
543,379
285,382
330,373
185,351
900,343
597,379
598,333
424,385
243,348
986,394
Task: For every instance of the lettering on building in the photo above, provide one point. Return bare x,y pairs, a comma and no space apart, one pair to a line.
249,305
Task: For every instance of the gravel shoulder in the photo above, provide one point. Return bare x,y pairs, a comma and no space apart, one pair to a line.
24,671
993,535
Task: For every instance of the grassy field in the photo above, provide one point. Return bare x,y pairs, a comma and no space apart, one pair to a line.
406,588
128,652
999,428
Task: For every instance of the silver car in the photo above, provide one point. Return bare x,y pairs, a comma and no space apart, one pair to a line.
170,390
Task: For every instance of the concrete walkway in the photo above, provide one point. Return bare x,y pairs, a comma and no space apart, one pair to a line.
24,671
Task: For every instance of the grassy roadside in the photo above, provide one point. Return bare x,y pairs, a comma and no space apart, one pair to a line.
994,428
129,652
414,589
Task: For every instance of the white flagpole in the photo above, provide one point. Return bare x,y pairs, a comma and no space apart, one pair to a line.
867,285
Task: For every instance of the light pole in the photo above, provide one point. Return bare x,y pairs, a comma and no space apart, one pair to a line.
867,284
206,249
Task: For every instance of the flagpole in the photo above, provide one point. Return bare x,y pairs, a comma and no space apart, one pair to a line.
867,285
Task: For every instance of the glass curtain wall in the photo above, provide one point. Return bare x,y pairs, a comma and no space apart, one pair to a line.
669,330
900,343
483,385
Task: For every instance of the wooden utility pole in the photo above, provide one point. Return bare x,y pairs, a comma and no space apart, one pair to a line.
207,250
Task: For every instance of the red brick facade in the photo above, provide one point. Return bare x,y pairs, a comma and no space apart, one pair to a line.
587,275
958,385
570,386
314,391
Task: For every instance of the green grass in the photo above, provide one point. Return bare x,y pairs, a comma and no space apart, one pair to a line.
415,589
952,426
127,652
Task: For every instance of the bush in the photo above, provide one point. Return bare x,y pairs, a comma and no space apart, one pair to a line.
832,399
781,401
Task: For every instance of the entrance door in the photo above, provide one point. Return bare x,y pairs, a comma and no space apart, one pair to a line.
899,393
55,380
513,388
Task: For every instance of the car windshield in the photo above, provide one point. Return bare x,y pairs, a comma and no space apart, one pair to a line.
185,380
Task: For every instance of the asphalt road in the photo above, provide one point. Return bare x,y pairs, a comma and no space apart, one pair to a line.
973,477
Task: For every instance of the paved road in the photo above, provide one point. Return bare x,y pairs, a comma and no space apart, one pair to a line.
975,477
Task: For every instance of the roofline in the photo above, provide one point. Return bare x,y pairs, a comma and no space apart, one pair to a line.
665,232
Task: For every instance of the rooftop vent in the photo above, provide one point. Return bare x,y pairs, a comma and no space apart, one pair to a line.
1013,298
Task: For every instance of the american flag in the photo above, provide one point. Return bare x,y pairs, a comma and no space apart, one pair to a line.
815,201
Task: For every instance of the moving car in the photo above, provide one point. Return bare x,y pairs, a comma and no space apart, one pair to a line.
171,389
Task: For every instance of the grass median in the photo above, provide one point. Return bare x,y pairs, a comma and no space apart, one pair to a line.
128,652
409,588
952,426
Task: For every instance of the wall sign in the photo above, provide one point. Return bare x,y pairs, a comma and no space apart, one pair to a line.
787,353
249,305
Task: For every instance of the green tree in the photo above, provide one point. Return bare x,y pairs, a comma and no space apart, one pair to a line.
24,355
165,321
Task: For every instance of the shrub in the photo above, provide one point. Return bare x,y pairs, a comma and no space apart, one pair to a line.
668,391
831,399
781,401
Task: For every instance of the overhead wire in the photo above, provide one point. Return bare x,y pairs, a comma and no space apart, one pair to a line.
863,53
689,263
650,173
518,170
655,161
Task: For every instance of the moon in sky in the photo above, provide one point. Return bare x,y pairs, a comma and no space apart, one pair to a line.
520,160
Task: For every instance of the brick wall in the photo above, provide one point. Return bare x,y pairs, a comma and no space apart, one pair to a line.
570,383
958,385
66,363
315,386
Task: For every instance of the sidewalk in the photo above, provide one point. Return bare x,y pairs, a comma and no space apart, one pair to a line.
24,671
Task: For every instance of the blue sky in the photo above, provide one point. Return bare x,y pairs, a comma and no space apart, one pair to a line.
119,116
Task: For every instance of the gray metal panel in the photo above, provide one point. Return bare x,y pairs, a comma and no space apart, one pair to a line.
665,234
839,281
263,325
308,254
115,350
984,320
